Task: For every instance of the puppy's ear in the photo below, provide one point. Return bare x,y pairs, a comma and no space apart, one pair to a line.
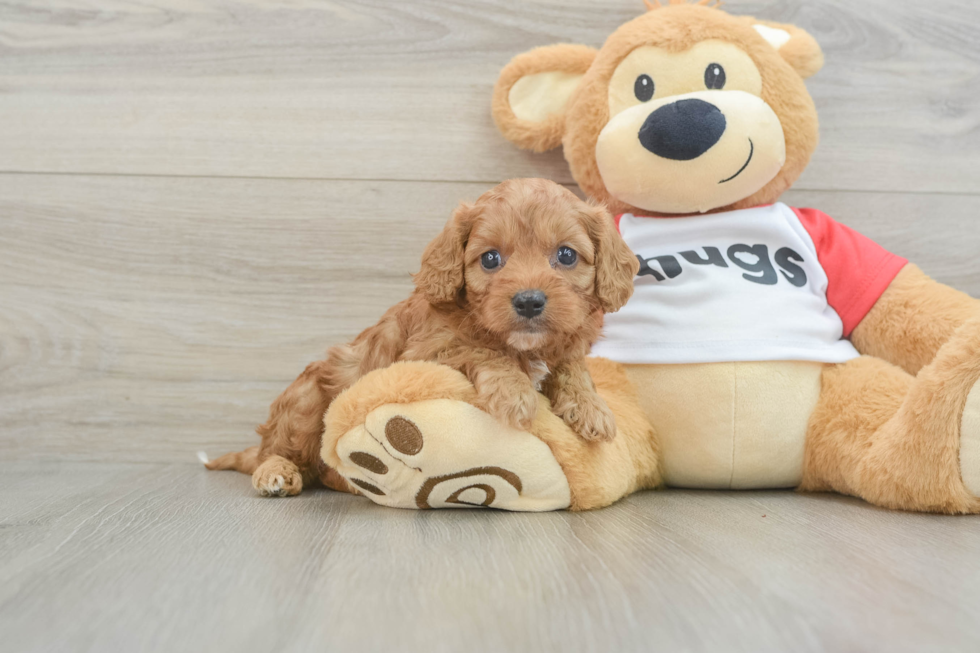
615,264
441,275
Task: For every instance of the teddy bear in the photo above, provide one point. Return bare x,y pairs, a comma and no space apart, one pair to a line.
765,346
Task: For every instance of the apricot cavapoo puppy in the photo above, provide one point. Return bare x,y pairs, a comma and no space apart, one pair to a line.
511,294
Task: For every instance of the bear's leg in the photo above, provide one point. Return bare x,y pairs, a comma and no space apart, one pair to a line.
409,436
900,441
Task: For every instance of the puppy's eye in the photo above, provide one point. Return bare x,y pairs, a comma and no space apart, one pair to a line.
643,88
714,76
567,255
490,260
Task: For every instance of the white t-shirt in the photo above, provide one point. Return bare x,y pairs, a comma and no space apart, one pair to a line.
766,283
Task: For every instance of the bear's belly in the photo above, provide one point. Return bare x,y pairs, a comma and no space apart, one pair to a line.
730,425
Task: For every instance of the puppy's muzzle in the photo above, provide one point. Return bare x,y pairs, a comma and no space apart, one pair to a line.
683,130
529,303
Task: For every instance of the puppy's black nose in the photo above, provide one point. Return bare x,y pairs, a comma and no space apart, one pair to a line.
529,303
683,130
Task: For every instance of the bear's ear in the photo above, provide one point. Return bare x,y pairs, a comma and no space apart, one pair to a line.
532,93
796,46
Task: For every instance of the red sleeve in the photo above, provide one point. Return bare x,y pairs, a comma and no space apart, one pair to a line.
858,269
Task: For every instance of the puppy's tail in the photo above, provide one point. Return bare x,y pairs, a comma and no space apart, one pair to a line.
241,461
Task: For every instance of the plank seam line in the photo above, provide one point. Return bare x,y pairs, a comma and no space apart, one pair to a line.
123,175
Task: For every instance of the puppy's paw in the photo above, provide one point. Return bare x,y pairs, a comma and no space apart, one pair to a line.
514,407
589,416
277,477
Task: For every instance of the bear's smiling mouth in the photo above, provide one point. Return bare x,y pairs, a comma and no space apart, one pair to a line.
744,166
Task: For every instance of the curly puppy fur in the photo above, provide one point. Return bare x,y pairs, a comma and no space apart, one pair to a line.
463,315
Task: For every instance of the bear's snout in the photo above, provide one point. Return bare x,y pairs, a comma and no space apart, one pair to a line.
683,130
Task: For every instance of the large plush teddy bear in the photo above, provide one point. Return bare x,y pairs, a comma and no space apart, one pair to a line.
764,347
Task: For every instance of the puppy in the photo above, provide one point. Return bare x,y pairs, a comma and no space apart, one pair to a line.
511,293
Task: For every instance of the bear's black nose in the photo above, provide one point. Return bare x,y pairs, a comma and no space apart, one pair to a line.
682,130
529,303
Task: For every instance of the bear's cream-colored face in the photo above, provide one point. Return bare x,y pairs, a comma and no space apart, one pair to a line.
695,121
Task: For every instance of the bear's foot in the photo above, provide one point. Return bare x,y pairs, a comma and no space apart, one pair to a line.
438,451
970,442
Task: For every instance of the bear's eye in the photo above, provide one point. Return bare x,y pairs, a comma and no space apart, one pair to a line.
567,255
490,260
714,76
643,88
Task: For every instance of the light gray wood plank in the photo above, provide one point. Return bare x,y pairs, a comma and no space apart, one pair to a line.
142,319
145,317
381,90
155,557
131,297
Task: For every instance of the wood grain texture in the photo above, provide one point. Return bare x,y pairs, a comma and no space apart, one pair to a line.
383,90
167,558
145,318
216,191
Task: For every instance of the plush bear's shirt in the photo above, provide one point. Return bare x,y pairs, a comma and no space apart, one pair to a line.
761,284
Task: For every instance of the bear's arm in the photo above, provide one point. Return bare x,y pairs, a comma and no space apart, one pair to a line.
912,319
889,308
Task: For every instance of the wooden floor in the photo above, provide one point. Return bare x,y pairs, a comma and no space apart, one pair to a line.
197,197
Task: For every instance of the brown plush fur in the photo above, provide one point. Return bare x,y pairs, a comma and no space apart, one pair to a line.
461,315
676,28
893,439
912,319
